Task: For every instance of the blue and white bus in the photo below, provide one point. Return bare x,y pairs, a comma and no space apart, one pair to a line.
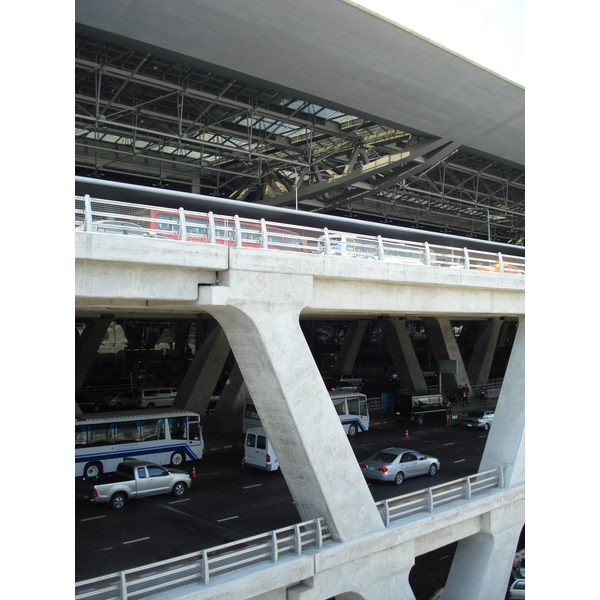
163,436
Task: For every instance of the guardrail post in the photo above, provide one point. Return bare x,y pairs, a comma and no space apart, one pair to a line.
319,533
123,585
380,250
182,227
263,234
212,234
501,478
467,262
87,223
386,514
327,243
205,576
468,495
297,539
238,232
275,550
429,499
427,254
500,263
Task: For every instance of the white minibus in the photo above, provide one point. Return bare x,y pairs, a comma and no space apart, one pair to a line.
258,452
351,406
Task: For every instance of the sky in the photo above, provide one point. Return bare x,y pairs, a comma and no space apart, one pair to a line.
488,32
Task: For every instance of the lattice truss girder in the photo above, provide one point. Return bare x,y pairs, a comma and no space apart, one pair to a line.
146,119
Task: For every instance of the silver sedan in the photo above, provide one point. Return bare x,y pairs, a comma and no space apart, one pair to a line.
479,419
396,464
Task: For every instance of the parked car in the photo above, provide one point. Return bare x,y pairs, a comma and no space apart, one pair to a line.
517,589
397,464
119,400
478,419
348,379
258,452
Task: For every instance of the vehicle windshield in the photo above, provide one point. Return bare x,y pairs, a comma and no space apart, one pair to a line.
475,414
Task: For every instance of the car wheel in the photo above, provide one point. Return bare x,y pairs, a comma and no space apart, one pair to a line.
352,430
151,405
399,478
177,458
119,405
93,469
179,489
420,420
486,427
118,500
433,470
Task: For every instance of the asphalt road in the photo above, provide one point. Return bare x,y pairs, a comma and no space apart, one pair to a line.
227,503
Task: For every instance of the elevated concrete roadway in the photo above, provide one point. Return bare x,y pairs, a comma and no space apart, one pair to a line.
257,297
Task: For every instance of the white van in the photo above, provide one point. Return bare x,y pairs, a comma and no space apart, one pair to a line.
258,452
155,397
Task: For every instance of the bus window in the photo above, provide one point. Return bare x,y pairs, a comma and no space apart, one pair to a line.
194,430
177,428
340,407
101,434
152,430
127,432
80,436
353,406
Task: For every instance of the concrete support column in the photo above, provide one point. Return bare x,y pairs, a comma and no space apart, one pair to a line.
229,411
260,315
346,358
483,353
481,565
444,346
203,374
86,347
403,355
482,562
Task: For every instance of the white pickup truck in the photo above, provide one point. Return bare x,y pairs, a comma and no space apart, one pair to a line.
132,479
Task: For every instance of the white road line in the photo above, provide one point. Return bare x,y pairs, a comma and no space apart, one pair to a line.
135,541
182,500
252,486
449,444
444,557
227,519
460,460
93,518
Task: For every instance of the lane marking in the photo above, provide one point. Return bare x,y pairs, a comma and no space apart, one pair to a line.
449,444
92,518
227,519
444,557
252,486
135,541
181,500
460,460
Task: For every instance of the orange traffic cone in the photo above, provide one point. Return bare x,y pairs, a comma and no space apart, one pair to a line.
194,473
406,436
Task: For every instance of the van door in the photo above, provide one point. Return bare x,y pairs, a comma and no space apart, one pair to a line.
255,455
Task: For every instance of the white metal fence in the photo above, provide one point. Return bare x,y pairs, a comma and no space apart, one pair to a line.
200,567
108,216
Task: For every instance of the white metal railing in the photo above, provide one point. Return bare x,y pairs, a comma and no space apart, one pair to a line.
429,499
200,567
110,216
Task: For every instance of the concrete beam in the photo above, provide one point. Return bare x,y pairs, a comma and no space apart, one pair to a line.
483,353
86,348
347,356
403,355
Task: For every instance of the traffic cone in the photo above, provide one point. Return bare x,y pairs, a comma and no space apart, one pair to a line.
406,436
194,473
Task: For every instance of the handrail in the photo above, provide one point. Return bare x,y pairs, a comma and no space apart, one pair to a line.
189,226
200,567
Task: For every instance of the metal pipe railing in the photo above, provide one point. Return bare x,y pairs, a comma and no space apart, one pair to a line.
188,226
